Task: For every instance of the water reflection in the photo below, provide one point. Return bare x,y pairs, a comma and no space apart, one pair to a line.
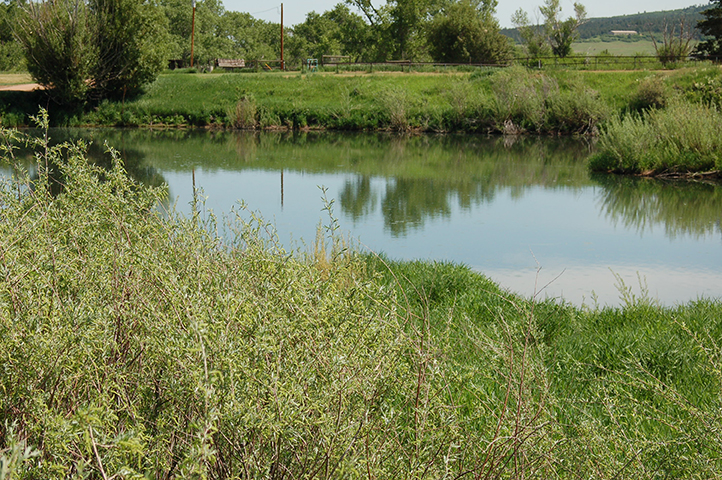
504,206
680,207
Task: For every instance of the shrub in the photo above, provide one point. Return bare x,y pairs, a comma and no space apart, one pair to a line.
243,115
142,343
651,93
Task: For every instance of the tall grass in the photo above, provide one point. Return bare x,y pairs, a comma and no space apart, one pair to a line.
683,138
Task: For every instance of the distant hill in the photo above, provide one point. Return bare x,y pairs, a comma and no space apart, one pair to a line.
644,23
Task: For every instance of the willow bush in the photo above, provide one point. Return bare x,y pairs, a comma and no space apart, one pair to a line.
141,344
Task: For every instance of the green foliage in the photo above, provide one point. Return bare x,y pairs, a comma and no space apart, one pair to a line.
711,26
60,51
525,101
244,114
680,139
463,34
140,343
102,48
532,36
132,41
676,47
651,93
561,33
11,53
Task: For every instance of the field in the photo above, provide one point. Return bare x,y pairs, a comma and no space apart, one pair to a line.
14,78
642,47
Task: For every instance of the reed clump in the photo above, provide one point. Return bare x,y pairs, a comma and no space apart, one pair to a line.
243,115
681,139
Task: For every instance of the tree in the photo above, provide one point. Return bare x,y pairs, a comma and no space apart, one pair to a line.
467,33
60,51
250,38
399,26
532,36
99,49
212,32
10,50
132,39
561,33
711,26
674,47
354,33
315,37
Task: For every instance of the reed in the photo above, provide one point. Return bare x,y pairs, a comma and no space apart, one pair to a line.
681,139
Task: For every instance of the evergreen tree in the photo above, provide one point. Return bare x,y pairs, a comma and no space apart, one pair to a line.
712,26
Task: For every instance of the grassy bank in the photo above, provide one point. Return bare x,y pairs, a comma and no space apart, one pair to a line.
514,100
509,101
141,344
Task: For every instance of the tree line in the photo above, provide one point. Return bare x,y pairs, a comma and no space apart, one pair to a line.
88,50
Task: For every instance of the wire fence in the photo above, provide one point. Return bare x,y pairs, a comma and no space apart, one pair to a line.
588,62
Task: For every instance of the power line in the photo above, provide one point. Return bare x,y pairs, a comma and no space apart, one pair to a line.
274,8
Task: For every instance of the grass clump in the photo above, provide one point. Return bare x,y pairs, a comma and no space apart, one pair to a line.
524,101
681,139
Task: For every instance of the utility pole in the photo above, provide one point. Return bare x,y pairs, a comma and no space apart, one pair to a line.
283,65
193,30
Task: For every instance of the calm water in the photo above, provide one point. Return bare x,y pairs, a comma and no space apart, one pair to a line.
526,213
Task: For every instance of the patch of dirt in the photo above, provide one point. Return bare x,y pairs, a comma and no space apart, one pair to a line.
22,87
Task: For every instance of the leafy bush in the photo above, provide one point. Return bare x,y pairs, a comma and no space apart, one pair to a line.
99,49
651,93
141,343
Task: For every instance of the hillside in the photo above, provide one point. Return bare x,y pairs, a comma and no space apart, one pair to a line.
644,23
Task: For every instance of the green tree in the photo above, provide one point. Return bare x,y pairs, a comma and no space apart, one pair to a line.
354,34
132,42
212,33
711,26
562,33
315,37
10,50
335,32
467,33
399,26
60,49
250,38
99,49
535,43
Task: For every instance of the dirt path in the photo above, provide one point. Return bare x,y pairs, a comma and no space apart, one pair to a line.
22,87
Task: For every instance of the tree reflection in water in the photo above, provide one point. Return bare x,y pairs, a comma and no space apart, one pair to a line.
681,207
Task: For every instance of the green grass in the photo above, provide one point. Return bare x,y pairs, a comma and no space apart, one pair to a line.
143,344
553,100
682,138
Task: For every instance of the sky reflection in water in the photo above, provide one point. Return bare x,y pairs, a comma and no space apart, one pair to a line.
525,213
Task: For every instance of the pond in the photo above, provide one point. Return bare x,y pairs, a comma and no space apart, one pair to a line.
524,211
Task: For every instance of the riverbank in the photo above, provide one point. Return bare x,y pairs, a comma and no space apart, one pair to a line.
178,350
511,101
